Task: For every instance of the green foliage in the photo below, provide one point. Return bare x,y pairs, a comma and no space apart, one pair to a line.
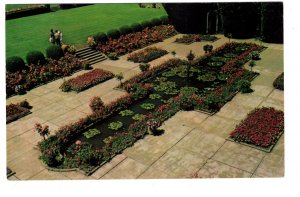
208,48
25,104
114,34
119,77
121,142
137,117
144,67
91,133
215,64
126,112
279,82
156,21
100,37
167,87
188,90
244,86
147,106
190,56
35,57
164,20
112,56
115,125
14,64
125,30
255,55
154,96
136,27
252,64
208,77
145,24
54,52
212,101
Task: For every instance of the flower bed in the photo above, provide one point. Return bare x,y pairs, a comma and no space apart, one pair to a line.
190,38
146,55
36,75
129,115
261,128
86,80
16,111
133,41
278,82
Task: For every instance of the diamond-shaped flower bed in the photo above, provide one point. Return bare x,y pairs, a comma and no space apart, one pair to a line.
16,111
261,129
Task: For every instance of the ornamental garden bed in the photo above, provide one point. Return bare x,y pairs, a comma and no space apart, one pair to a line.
17,111
133,41
153,97
261,129
36,75
191,38
86,80
146,55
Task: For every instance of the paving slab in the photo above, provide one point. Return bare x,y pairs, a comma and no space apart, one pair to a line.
68,117
49,175
219,126
180,163
152,173
75,175
261,90
13,178
52,111
201,142
27,165
277,104
234,111
239,156
247,100
272,165
277,95
127,169
16,147
215,169
108,166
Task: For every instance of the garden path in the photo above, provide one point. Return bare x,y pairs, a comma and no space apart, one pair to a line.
193,142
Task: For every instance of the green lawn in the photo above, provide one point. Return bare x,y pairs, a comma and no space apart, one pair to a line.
32,33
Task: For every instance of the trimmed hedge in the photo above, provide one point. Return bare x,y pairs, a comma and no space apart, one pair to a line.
114,33
136,27
35,57
164,20
278,82
14,63
54,52
145,24
100,37
156,21
125,30
29,11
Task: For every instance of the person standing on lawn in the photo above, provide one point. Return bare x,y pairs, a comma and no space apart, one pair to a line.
57,37
52,39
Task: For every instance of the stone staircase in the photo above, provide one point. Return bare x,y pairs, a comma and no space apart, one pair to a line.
93,56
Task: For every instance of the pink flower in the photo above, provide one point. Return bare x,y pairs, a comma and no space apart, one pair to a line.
78,142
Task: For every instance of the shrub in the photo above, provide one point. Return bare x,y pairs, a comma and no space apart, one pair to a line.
156,21
164,20
54,52
114,34
145,24
15,63
244,86
96,104
35,57
71,49
146,55
100,37
112,56
278,82
91,42
136,27
144,67
115,125
25,104
125,30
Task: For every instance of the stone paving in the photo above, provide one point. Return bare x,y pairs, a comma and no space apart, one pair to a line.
192,143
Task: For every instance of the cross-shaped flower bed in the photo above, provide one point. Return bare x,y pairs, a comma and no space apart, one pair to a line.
86,80
176,85
146,55
261,129
16,111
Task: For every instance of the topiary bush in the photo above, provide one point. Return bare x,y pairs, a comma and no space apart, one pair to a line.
15,63
54,52
156,21
164,20
279,82
136,27
114,33
125,30
145,24
100,37
244,86
35,57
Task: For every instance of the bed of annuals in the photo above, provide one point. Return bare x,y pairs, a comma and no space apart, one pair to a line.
66,150
36,75
16,111
133,41
146,55
261,128
190,38
86,80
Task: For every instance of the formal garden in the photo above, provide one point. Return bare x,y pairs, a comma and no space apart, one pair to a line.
152,96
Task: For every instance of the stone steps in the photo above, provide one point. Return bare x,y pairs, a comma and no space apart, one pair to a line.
91,55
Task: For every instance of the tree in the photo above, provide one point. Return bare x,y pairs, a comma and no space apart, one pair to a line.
190,58
119,77
43,131
252,64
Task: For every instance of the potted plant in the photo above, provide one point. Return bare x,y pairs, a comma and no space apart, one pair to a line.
152,126
120,77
